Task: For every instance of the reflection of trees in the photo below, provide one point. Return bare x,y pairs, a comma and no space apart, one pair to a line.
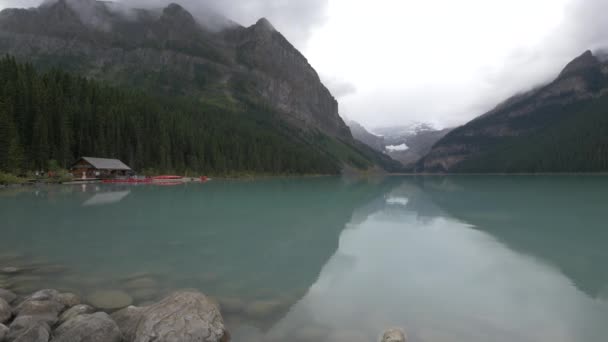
560,219
271,234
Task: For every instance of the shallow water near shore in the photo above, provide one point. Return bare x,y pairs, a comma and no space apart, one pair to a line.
456,258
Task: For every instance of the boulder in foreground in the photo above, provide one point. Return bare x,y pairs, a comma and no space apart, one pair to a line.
97,327
185,316
394,335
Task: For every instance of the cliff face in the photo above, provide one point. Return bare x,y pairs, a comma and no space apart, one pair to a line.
168,51
363,135
487,138
283,76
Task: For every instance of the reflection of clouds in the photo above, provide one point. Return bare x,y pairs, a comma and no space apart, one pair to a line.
106,198
446,282
397,201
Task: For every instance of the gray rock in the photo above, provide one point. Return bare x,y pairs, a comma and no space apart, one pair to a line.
5,311
41,306
3,332
143,295
110,300
97,327
185,316
43,310
47,294
69,299
81,309
128,320
28,329
7,295
394,335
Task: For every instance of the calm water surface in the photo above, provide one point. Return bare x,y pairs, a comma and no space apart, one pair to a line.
448,258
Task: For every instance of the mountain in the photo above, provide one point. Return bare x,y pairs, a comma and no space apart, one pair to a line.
418,145
363,135
395,135
250,71
408,143
559,127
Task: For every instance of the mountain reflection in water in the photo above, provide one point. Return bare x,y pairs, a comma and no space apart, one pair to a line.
447,258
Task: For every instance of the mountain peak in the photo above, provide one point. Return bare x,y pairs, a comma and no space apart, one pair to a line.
265,24
177,12
583,62
178,19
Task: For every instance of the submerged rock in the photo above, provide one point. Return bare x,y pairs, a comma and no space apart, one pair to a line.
348,336
50,269
7,295
263,308
110,300
394,335
312,333
69,299
98,327
143,295
231,305
5,283
141,283
5,311
81,309
185,316
10,270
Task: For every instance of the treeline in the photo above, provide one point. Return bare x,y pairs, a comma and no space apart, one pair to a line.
576,142
55,116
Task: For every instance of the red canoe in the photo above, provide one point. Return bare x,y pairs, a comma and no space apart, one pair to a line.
167,177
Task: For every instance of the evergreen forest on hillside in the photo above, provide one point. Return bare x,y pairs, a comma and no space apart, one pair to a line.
59,117
576,141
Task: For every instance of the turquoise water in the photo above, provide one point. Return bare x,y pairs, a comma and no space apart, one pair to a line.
466,258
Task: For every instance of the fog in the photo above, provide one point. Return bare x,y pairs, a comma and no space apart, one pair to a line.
445,62
392,62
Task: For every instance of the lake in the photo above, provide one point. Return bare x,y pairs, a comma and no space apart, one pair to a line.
458,258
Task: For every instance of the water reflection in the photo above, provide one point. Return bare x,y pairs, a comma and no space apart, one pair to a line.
446,279
104,198
447,258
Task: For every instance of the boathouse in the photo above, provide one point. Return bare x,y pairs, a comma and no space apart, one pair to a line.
88,167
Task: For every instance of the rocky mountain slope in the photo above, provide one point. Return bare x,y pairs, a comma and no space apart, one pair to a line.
169,52
406,144
363,135
419,144
559,127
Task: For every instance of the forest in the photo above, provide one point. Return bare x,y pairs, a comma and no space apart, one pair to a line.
55,117
576,142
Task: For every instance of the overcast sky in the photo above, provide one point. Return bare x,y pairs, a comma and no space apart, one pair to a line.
390,62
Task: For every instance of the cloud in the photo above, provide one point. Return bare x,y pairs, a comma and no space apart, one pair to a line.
445,62
294,18
339,88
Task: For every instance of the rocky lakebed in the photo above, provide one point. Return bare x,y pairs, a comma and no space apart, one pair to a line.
136,311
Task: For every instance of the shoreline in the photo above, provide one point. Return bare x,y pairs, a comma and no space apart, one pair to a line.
36,308
311,176
52,316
